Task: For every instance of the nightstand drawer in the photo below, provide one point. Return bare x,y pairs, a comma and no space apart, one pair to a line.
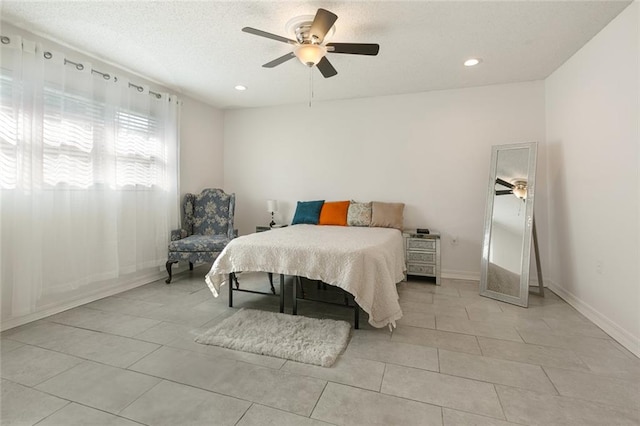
421,257
421,269
416,244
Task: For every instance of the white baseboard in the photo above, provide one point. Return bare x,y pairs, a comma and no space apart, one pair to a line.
92,297
461,275
619,334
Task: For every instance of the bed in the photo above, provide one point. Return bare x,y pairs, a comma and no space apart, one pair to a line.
367,262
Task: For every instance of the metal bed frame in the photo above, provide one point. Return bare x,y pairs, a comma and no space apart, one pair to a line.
297,281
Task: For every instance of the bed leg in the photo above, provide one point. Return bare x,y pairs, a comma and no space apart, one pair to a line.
356,319
273,290
282,293
295,296
231,276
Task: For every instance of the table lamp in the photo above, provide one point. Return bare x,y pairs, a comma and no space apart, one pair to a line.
272,207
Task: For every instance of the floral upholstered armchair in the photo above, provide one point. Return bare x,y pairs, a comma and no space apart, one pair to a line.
207,227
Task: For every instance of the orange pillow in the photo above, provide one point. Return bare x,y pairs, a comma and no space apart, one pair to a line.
334,213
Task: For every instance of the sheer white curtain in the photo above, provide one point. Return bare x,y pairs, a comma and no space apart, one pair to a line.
88,180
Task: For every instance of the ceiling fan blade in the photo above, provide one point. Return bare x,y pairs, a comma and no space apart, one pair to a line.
354,48
504,192
321,25
268,35
504,183
326,69
278,61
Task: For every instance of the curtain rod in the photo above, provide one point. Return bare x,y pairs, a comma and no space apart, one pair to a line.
80,67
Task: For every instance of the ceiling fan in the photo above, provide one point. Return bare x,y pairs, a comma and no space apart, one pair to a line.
517,188
309,45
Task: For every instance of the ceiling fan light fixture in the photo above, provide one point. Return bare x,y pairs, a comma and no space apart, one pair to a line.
520,189
310,54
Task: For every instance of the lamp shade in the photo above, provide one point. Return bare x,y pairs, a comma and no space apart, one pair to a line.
310,54
272,205
520,189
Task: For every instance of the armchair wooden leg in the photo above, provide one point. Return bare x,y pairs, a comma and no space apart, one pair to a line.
168,265
190,266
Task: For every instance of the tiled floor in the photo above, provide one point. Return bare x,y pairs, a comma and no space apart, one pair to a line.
455,359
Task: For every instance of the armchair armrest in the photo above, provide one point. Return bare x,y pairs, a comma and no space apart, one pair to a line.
178,234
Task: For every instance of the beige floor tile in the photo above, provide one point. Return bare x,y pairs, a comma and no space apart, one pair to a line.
623,368
416,296
357,372
441,389
606,390
79,415
461,284
479,303
478,328
30,365
532,354
99,386
399,353
266,386
186,341
182,315
164,332
591,346
579,327
460,418
101,347
259,415
531,408
502,318
372,333
344,405
174,404
22,405
436,339
433,309
510,373
123,305
7,345
428,287
107,322
418,319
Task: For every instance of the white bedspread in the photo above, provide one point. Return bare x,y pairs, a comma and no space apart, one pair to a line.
366,262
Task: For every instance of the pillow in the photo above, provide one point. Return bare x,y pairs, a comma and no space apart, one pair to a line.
307,212
359,214
334,213
387,215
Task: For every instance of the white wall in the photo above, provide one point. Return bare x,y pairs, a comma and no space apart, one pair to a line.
593,159
201,147
428,150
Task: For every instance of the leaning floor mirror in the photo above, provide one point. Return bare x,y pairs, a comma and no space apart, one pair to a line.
509,224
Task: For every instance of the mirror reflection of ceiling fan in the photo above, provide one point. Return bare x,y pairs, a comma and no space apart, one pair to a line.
310,46
517,187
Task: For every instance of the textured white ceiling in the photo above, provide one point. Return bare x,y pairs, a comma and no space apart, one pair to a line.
197,47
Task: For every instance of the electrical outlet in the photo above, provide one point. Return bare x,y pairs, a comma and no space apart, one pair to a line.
454,240
599,267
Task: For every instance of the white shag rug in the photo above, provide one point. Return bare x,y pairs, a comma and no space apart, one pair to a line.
298,338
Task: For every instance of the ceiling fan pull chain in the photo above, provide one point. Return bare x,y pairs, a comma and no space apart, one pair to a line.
310,85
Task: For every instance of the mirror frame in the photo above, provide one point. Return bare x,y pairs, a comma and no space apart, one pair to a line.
523,299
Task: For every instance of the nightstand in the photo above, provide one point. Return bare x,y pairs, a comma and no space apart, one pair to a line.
422,254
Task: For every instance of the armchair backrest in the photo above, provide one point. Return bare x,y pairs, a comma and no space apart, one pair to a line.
209,213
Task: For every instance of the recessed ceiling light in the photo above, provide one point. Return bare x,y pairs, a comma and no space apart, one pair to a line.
472,62
240,87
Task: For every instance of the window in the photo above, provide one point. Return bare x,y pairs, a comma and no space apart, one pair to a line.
84,143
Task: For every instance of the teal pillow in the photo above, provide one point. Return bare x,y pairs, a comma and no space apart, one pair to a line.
307,212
